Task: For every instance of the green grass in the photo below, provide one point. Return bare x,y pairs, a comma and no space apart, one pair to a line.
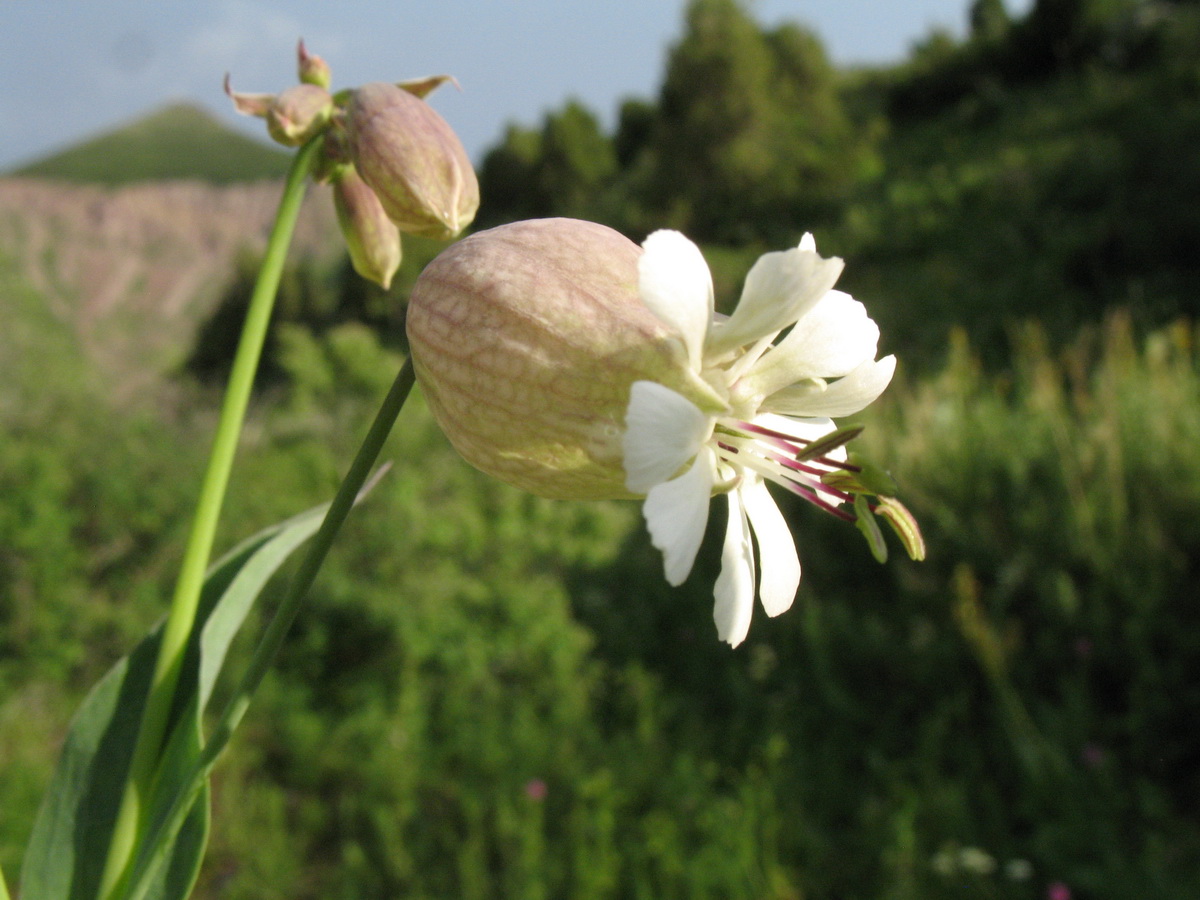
180,141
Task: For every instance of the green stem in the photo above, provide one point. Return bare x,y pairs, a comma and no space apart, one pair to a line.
272,640
3,888
182,613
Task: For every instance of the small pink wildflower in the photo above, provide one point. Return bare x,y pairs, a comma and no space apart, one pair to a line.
1058,890
535,789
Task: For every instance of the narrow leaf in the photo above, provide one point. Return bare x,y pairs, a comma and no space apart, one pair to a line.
177,789
65,856
220,627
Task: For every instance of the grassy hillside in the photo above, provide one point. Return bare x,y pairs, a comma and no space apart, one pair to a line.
1057,201
180,141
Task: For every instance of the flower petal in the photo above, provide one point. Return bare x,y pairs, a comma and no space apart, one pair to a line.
676,514
844,397
663,430
779,565
734,591
828,341
781,287
675,284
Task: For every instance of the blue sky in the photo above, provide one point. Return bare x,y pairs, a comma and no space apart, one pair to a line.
70,68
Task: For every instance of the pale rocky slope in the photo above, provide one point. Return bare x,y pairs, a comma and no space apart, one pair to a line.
133,270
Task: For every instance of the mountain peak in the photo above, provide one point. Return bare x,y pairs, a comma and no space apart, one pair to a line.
178,141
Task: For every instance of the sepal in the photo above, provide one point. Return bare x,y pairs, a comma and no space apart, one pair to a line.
423,87
312,69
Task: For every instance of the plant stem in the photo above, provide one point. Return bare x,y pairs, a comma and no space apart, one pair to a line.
182,613
272,639
3,888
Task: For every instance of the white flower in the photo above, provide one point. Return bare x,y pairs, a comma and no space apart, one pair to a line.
771,418
562,358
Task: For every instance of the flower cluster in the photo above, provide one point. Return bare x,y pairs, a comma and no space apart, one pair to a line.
394,164
564,359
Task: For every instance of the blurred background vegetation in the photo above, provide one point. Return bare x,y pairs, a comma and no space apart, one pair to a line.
496,696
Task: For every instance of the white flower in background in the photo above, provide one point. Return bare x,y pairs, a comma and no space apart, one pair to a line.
775,423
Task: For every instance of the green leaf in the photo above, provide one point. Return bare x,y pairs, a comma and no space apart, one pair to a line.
66,853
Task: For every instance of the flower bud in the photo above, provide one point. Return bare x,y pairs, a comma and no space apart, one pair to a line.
526,339
412,159
293,117
371,237
312,69
298,114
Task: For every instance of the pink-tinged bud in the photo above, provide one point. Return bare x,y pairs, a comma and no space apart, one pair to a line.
371,237
298,114
412,159
293,117
527,339
312,69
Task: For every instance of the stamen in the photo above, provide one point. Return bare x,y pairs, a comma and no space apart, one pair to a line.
775,456
784,472
770,432
816,500
788,443
795,464
810,470
763,465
